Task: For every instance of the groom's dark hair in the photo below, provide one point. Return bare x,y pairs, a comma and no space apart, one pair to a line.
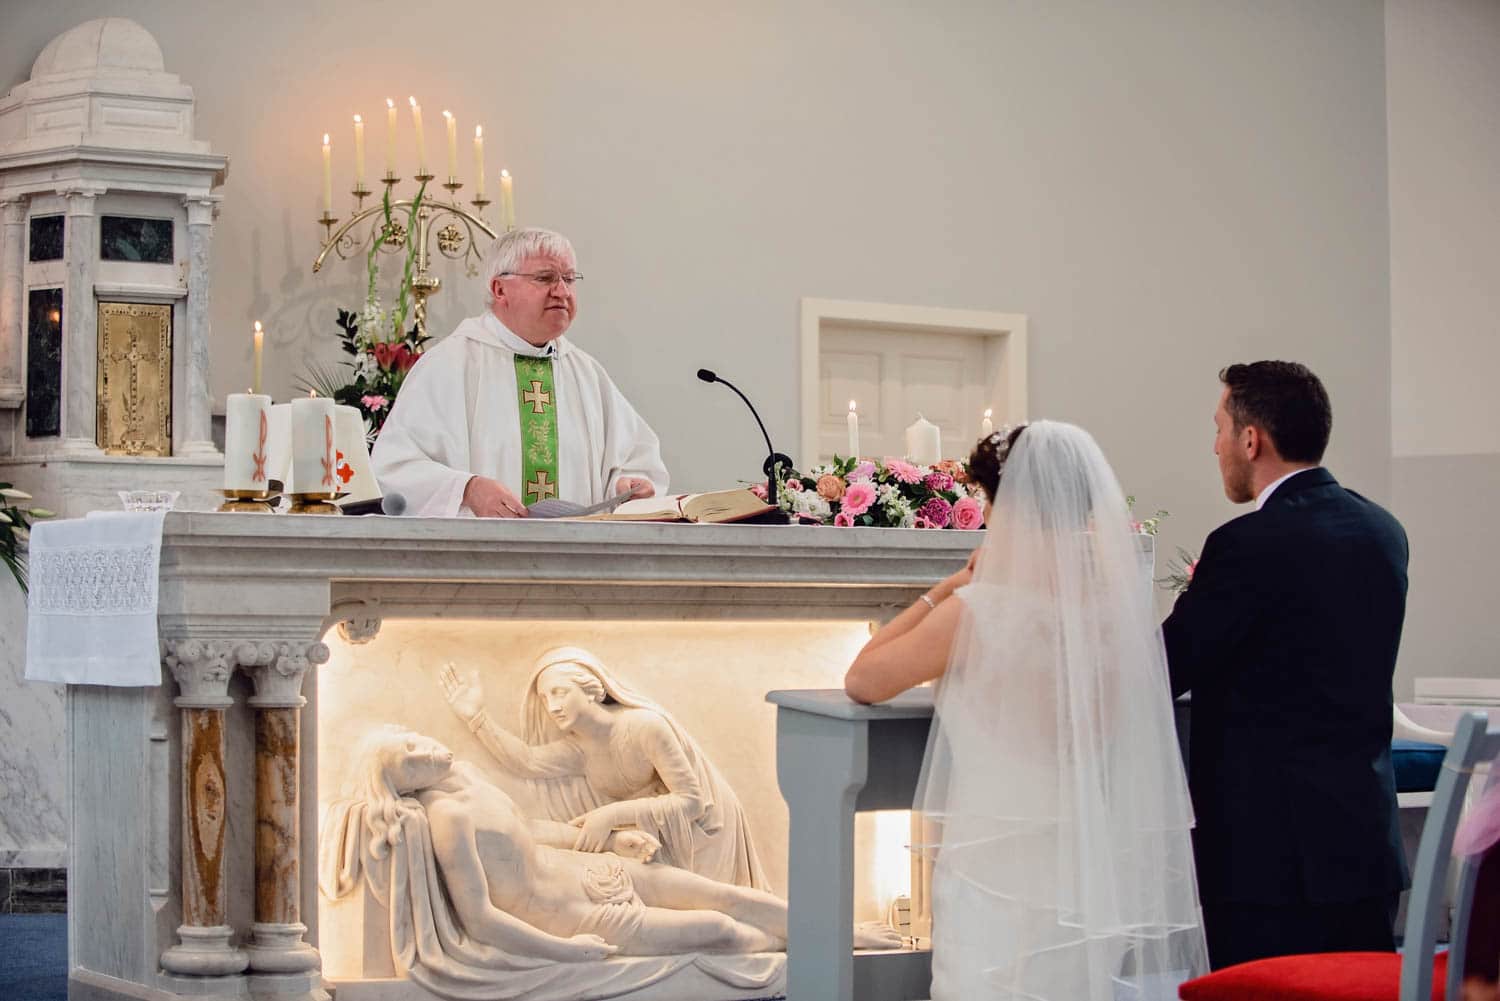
1286,401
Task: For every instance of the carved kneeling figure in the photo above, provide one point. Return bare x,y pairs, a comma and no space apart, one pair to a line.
516,884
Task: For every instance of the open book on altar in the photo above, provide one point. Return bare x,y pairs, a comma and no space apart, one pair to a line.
711,508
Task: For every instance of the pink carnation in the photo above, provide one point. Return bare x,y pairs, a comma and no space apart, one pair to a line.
375,402
903,471
844,519
794,485
858,498
968,514
864,471
938,482
937,511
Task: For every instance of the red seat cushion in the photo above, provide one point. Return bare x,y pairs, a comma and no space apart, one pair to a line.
1326,976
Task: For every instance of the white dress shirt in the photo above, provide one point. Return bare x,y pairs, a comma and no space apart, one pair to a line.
1265,495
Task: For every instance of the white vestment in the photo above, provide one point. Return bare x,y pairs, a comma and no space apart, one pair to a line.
458,416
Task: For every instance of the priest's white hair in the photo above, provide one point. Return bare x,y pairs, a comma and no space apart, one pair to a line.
510,249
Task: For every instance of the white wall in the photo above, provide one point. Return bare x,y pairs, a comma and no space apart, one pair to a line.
1443,92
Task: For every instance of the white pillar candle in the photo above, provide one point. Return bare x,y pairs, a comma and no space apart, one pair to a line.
986,426
479,161
359,152
390,137
279,463
353,456
327,176
924,444
853,432
416,124
507,200
313,457
247,433
452,124
259,337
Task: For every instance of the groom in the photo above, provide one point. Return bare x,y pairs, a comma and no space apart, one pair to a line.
1287,639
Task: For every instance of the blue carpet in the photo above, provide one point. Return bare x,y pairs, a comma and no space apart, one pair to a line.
34,957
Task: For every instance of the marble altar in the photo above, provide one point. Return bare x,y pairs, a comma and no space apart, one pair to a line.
196,804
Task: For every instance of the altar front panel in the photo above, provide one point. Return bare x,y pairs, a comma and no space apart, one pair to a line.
711,676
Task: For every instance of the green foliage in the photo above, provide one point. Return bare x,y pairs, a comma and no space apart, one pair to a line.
15,530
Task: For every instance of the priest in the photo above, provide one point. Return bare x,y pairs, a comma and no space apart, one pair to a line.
506,411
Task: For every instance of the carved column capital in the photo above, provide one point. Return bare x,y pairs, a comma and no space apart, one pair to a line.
202,669
202,209
278,670
358,621
80,199
13,210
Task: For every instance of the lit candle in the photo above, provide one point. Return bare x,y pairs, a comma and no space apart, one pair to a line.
260,336
313,455
359,152
923,442
853,432
479,161
986,426
507,200
452,124
416,123
327,176
246,436
390,137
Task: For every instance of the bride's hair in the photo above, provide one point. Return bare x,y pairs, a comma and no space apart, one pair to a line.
987,461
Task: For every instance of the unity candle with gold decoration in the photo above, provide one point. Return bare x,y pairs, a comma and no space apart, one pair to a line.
313,455
247,432
924,444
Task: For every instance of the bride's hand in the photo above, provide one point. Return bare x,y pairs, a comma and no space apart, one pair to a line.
957,580
465,695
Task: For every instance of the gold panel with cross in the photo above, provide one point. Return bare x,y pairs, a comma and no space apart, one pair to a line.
135,379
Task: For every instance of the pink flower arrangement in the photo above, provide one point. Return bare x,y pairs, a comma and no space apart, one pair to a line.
857,499
968,514
844,519
937,512
902,471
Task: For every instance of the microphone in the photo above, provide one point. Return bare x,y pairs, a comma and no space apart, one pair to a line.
392,504
773,457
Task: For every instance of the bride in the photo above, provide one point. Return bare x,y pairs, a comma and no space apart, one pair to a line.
1052,781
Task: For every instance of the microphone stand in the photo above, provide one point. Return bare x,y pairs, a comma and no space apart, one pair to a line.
773,457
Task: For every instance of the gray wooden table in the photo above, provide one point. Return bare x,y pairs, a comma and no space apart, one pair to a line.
833,758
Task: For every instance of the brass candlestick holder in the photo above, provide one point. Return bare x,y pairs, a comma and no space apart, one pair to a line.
456,230
316,503
250,501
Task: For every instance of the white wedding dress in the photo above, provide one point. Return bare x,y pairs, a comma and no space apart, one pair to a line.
1052,788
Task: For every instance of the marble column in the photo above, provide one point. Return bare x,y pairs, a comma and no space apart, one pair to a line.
196,437
12,251
203,959
281,964
80,411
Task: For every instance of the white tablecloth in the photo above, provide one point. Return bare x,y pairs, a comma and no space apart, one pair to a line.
91,612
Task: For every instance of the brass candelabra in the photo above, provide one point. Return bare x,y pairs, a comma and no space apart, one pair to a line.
456,239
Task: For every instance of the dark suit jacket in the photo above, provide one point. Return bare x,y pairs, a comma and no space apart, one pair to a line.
1287,639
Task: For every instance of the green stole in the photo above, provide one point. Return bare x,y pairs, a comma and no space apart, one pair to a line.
538,406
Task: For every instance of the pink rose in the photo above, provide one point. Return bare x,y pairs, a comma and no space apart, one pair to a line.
858,498
794,485
844,519
968,514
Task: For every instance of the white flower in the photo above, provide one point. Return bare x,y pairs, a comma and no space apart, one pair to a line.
5,519
809,503
11,494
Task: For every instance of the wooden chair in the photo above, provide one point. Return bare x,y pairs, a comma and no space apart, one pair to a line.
1413,975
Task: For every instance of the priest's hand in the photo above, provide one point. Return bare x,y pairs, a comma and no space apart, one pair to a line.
465,695
638,486
487,498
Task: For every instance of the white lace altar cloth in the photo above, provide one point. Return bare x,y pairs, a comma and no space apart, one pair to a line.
91,611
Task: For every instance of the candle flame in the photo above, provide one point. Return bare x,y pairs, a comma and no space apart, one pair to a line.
447,114
851,406
390,103
413,101
257,326
325,139
312,394
357,119
504,172
478,131
988,412
250,390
